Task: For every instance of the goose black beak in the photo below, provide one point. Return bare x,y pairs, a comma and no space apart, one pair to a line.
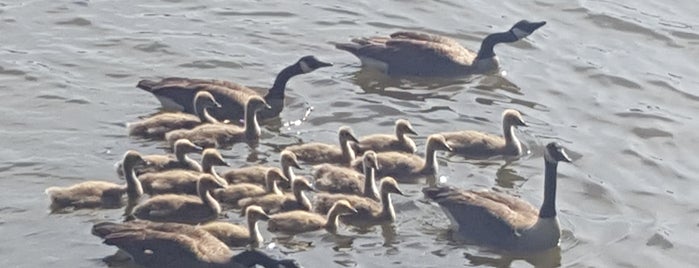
322,64
537,25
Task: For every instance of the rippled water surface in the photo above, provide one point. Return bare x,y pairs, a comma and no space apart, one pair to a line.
613,81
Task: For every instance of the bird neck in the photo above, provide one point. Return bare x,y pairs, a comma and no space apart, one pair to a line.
205,117
387,211
331,221
252,128
271,185
511,141
277,90
134,190
370,183
347,151
302,199
548,208
209,200
254,232
430,166
486,51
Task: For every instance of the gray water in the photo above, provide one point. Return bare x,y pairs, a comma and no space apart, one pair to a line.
613,81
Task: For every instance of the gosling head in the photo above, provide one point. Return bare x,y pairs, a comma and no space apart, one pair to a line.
346,134
208,182
404,127
255,213
185,146
301,184
511,117
555,153
133,159
438,143
288,159
369,160
205,99
308,64
390,185
275,174
524,28
213,157
343,207
256,103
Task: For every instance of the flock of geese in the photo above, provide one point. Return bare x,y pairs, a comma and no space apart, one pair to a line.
352,182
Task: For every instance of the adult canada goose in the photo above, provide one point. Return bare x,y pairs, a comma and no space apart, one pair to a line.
422,54
238,236
477,144
504,221
273,203
100,194
337,179
233,193
183,208
176,93
180,181
219,134
156,126
407,167
257,174
298,221
399,142
159,162
167,244
369,211
315,152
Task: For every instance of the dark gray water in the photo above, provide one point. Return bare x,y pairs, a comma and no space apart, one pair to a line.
613,81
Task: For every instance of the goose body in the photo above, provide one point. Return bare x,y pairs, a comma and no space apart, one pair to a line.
295,222
159,162
221,135
407,167
187,209
156,126
232,194
504,221
257,174
422,54
369,211
399,142
339,179
176,93
236,235
274,203
100,194
476,144
316,153
181,181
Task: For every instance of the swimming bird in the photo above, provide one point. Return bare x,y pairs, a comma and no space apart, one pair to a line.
407,167
176,93
156,126
298,221
399,142
505,221
175,245
475,144
316,153
274,203
369,211
183,208
181,181
423,54
236,235
233,193
100,194
221,135
338,179
256,174
159,162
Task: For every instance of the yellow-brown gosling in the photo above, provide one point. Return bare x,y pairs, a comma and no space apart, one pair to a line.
400,142
100,194
477,144
274,203
369,211
187,209
295,222
233,193
256,174
504,221
336,179
180,181
156,126
175,245
236,235
316,153
407,167
159,162
222,135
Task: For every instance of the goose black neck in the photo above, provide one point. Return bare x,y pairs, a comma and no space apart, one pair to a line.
491,40
277,90
548,208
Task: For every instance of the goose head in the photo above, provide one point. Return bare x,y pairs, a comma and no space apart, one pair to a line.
288,159
309,64
404,127
511,117
212,157
346,135
524,28
205,99
555,153
390,185
438,143
343,207
255,213
369,160
184,146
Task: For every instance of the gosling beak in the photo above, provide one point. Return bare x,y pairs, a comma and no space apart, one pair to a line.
399,192
411,131
522,123
217,104
225,164
296,165
353,138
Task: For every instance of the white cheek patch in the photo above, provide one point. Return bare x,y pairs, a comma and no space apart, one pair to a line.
520,33
305,68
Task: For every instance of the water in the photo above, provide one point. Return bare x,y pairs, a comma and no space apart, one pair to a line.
613,81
